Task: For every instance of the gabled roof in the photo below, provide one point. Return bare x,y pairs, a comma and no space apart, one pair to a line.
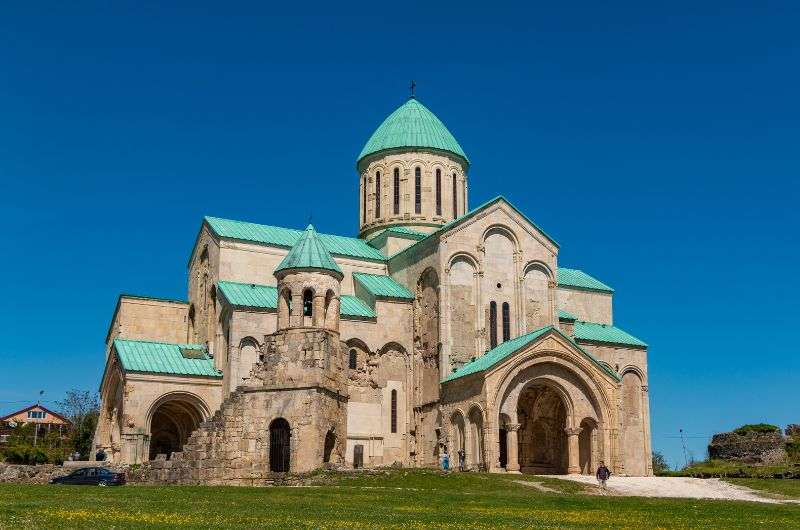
504,350
164,358
457,221
275,236
309,253
580,280
412,125
254,296
382,286
605,333
36,406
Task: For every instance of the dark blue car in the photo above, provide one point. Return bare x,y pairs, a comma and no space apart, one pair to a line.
91,476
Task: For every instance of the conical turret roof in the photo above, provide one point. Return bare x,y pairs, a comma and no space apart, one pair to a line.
412,125
308,253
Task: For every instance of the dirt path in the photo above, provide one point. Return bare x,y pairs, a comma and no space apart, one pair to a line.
681,487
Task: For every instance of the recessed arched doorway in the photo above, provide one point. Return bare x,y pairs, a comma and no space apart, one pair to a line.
279,449
172,419
542,415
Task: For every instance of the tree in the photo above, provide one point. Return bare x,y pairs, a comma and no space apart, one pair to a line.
82,409
659,463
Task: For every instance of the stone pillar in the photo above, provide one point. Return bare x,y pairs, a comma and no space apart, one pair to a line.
512,448
318,311
573,450
296,318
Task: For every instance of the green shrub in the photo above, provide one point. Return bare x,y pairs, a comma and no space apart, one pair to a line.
757,427
793,449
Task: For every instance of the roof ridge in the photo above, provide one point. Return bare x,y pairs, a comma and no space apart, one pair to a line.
122,339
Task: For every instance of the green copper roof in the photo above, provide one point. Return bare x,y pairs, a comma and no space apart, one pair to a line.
276,236
566,315
496,355
164,358
309,253
382,286
589,331
250,295
579,279
412,125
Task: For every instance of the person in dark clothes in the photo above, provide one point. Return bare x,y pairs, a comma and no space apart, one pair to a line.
603,473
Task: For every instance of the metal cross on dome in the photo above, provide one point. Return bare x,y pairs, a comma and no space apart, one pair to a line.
413,88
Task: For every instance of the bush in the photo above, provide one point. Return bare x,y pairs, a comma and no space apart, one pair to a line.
762,428
659,463
793,450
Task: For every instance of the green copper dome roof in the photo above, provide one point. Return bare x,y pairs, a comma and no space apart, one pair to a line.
412,125
309,253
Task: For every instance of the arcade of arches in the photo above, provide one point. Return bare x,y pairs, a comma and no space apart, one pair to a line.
551,416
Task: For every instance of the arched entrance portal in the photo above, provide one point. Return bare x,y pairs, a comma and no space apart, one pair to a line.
172,420
279,450
542,437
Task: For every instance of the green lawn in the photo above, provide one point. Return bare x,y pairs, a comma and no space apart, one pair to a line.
786,487
400,499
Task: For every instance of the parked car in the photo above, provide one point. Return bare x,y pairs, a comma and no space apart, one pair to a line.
91,476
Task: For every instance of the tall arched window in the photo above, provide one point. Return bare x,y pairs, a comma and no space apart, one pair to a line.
394,411
308,303
364,201
353,364
396,191
417,190
493,324
438,192
506,322
455,197
377,194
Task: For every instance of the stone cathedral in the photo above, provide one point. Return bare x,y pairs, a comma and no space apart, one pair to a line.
439,328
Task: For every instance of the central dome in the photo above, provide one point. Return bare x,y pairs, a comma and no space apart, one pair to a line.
412,125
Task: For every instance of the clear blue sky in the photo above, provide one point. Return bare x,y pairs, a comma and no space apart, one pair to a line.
659,146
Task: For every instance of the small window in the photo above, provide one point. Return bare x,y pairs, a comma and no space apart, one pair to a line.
308,303
438,192
353,364
493,324
417,190
396,191
394,411
455,197
364,201
506,322
377,194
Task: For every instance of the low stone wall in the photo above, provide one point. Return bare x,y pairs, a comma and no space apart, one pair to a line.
41,474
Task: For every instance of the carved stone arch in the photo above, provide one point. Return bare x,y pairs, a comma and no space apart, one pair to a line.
631,368
500,228
249,354
591,385
171,418
476,436
398,162
538,265
466,256
392,345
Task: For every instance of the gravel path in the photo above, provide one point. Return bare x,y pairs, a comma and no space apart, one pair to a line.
682,487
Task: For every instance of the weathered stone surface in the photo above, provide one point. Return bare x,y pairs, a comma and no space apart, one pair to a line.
749,447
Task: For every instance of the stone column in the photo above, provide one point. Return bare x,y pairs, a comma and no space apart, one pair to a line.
573,450
512,448
296,318
318,311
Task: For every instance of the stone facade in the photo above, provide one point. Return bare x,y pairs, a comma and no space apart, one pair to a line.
381,385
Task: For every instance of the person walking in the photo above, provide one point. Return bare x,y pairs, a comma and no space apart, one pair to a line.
100,456
603,473
462,457
446,461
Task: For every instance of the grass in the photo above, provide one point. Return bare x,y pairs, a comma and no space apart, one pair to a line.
398,499
731,468
782,487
